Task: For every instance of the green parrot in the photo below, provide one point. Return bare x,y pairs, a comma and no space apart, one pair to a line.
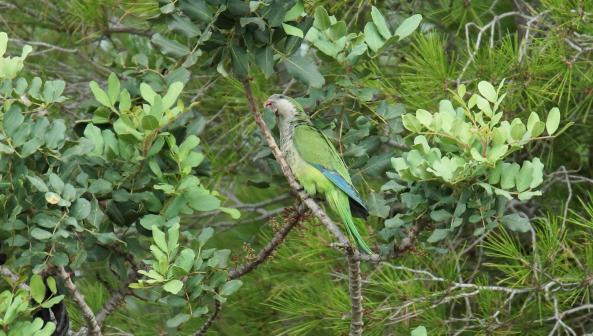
316,164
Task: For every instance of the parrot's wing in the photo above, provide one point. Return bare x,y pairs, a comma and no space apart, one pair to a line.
316,149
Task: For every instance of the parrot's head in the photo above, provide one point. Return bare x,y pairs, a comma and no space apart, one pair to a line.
283,106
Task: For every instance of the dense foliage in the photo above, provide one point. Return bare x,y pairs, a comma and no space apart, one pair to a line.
139,192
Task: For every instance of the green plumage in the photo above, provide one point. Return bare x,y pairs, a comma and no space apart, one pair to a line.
318,166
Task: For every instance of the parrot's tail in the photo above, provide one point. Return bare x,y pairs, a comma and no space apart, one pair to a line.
338,201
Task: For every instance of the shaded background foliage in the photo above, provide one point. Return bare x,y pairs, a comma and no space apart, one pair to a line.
497,282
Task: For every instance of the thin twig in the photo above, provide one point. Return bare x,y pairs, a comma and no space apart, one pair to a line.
210,320
87,312
291,221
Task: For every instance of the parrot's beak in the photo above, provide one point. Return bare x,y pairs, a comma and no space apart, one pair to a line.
269,104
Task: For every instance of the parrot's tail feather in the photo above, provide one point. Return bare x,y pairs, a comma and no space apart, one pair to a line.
338,201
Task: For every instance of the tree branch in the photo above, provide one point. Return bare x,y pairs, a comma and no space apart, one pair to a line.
210,320
355,288
116,299
293,217
87,312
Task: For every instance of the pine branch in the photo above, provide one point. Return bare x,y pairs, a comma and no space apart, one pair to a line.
210,320
291,221
116,299
87,312
355,289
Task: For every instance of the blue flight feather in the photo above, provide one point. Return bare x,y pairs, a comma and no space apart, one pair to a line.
341,183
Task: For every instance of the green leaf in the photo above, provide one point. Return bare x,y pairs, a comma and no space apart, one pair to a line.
50,303
124,126
378,205
51,284
37,288
56,135
230,287
408,26
60,259
240,61
37,183
169,47
147,93
488,91
40,234
440,215
159,238
201,200
518,130
484,106
173,237
197,10
509,173
172,94
424,117
100,95
150,220
81,209
292,30
517,223
533,119
113,88
173,286
322,21
93,133
52,91
497,152
219,259
100,186
553,121
411,123
295,12
56,183
372,37
419,331
538,173
523,178
12,120
205,235
177,320
150,122
380,23
264,58
234,213
438,235
185,260
305,70
527,195
3,43
185,26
